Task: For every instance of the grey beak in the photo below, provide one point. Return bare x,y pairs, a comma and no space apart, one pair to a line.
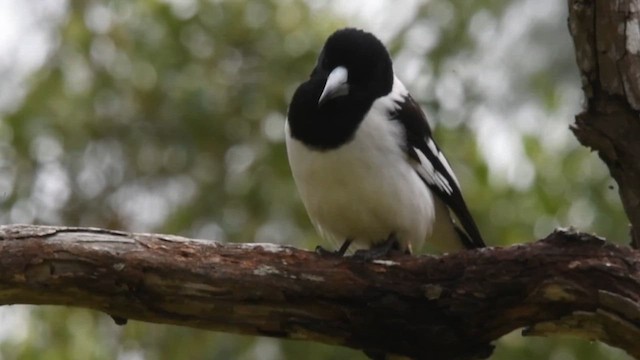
336,85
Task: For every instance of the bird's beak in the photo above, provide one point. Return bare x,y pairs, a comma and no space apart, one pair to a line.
336,85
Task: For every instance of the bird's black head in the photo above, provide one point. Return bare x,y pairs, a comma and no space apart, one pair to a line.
352,71
360,59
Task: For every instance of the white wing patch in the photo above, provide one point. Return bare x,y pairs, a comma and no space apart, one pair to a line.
434,149
426,170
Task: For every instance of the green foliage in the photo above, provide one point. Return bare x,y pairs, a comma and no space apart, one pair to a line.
167,116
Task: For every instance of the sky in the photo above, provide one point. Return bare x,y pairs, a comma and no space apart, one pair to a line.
25,40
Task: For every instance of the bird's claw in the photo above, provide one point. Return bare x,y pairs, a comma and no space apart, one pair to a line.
338,253
382,250
324,252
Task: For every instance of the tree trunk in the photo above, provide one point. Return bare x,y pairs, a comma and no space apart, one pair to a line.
606,35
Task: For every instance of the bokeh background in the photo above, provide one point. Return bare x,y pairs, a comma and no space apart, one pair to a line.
167,116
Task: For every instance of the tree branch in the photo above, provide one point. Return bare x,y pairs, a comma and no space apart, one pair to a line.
606,35
449,307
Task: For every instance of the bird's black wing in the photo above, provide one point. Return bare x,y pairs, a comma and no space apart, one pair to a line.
433,168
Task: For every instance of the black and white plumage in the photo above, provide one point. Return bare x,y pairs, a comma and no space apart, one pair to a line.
362,155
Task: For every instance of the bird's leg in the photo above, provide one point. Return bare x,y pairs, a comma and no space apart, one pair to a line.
340,252
383,249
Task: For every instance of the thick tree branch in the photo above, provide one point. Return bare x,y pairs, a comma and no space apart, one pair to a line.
448,307
606,35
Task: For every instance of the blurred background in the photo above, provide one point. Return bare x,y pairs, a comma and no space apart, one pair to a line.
167,116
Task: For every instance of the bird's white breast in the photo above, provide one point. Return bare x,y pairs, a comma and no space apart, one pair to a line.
365,189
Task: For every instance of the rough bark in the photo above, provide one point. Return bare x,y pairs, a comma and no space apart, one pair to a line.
606,35
449,307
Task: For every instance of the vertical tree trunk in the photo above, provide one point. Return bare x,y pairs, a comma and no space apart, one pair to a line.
606,35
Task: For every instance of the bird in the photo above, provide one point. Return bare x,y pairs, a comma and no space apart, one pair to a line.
363,158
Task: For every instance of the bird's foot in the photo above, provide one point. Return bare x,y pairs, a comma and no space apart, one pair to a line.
381,250
338,253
